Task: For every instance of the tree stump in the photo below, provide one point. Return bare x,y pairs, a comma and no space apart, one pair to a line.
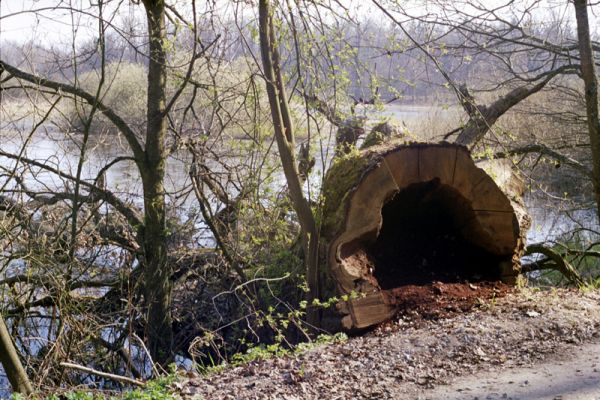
398,214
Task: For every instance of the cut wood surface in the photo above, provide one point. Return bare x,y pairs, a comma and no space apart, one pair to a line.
437,202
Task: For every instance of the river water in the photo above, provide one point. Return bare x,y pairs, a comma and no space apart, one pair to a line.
62,151
51,147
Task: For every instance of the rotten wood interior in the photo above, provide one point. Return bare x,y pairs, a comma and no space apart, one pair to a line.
419,214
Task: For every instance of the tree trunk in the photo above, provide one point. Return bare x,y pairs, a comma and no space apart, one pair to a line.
398,214
151,164
154,236
284,135
11,363
482,117
590,79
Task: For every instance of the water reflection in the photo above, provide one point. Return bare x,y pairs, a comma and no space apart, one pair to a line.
62,152
552,220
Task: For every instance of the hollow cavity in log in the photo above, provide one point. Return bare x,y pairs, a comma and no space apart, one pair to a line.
418,214
421,240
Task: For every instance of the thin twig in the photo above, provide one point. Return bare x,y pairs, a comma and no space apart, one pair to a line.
155,371
118,378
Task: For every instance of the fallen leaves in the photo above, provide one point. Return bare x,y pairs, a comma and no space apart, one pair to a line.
411,355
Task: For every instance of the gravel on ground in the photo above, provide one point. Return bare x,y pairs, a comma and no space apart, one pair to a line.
417,357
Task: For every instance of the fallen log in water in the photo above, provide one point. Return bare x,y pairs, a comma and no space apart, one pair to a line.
410,214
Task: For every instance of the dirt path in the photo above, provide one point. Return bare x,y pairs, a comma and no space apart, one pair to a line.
551,339
574,375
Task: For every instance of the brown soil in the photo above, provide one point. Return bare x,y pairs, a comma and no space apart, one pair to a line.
441,300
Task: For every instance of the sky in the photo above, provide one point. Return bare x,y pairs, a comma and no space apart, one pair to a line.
42,21
19,21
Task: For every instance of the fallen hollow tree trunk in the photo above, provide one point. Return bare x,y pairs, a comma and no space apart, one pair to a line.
399,214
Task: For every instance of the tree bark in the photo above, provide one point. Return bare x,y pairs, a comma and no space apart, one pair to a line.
11,363
482,117
590,79
157,271
284,135
558,263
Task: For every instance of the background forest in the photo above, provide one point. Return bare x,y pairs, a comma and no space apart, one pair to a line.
161,163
